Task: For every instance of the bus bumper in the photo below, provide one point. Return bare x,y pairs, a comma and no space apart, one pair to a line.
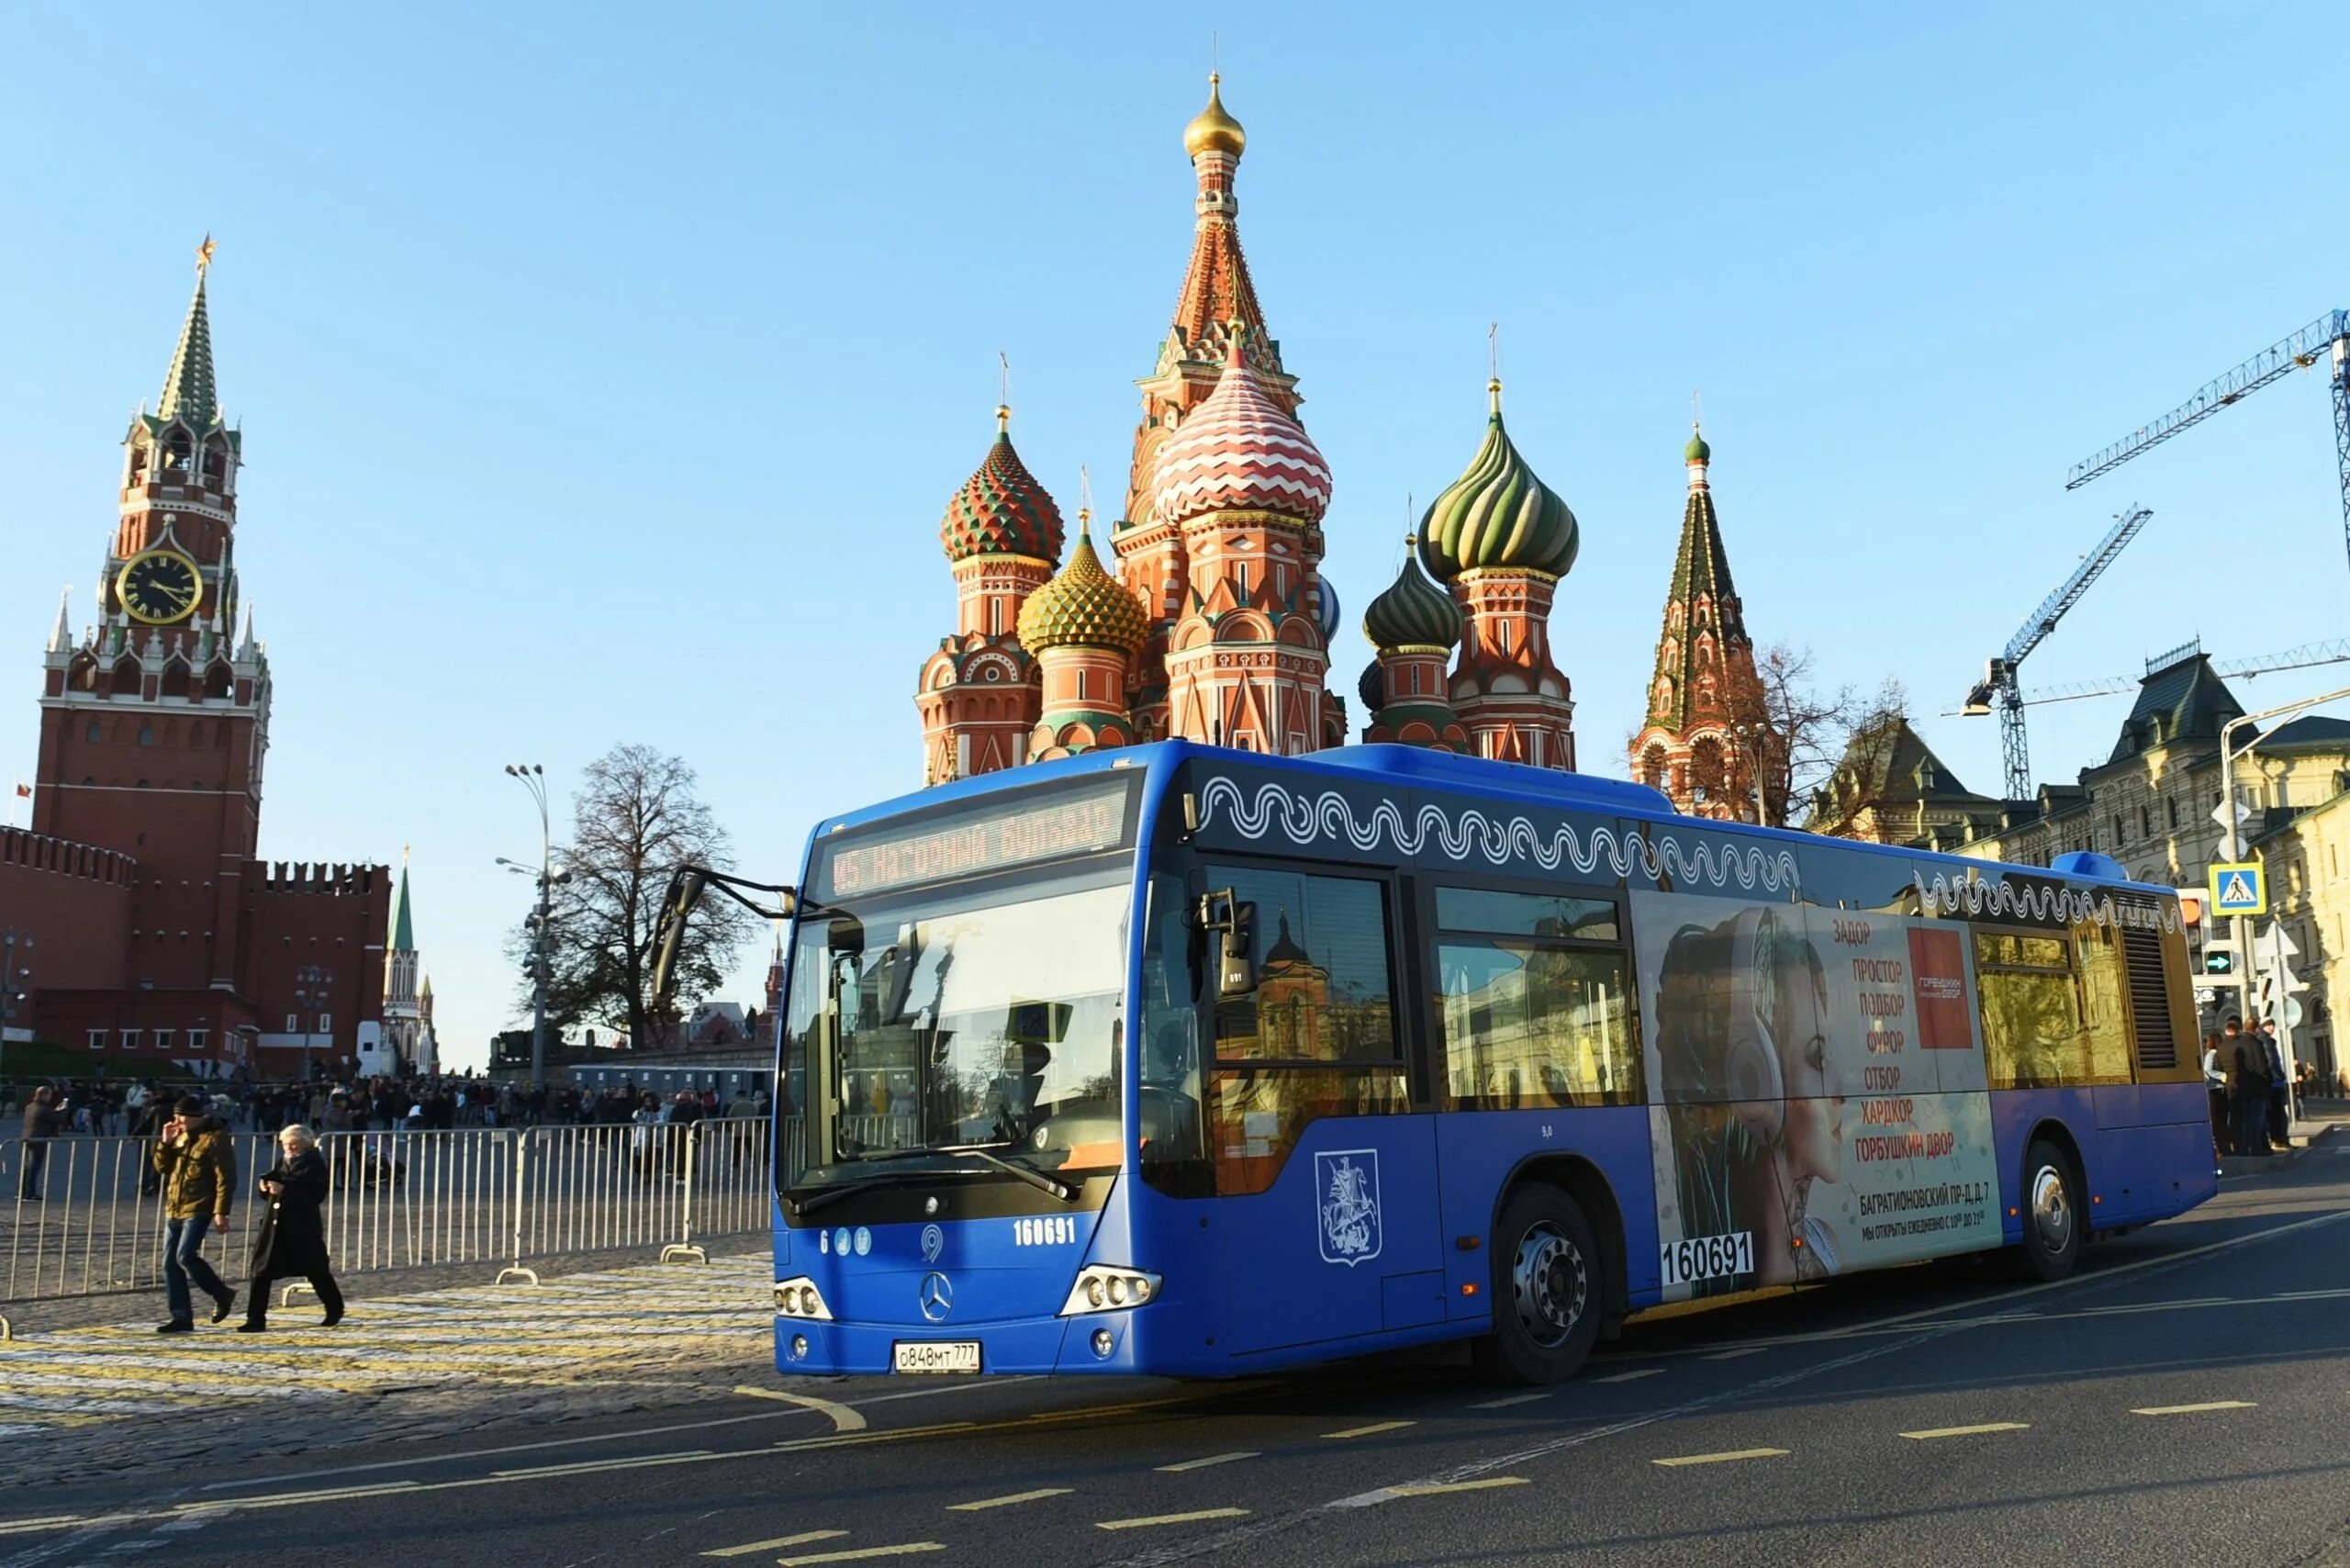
1022,1346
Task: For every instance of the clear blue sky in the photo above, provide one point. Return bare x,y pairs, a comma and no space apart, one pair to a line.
604,369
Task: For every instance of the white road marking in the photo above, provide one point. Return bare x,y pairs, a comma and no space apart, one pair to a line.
803,1539
1631,1377
1742,1351
2197,1409
843,1418
1373,1430
1149,1520
1441,1488
1037,1495
1723,1458
1513,1399
1212,1459
861,1553
1933,1432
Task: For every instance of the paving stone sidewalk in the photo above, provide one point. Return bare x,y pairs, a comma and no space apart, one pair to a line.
119,1401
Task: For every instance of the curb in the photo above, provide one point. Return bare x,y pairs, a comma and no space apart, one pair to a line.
2253,1165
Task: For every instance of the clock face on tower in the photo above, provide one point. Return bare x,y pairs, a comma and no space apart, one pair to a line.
159,588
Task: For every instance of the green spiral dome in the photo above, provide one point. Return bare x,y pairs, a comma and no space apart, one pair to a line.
1497,515
1413,612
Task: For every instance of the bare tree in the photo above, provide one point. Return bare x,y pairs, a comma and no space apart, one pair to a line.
1861,775
636,819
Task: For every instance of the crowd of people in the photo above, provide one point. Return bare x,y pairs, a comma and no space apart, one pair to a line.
2251,1098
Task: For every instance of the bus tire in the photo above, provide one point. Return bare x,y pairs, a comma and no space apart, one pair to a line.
1547,1291
2054,1220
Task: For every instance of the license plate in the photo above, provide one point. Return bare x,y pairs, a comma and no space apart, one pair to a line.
937,1355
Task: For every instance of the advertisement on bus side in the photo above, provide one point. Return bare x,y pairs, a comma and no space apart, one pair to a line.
1817,1100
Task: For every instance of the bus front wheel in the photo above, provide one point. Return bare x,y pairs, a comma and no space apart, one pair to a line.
1547,1290
2053,1218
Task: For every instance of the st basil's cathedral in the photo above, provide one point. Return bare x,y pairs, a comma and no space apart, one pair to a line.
1211,619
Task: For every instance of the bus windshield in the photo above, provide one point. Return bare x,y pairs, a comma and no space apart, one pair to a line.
984,1018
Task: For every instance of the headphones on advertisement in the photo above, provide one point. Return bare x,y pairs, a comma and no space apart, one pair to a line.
1753,1080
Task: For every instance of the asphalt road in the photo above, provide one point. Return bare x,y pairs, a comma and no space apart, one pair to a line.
2185,1399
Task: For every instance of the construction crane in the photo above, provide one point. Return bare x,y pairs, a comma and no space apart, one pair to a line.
2329,335
1998,682
2302,657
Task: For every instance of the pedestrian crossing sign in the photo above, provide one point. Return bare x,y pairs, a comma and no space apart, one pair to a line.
2238,888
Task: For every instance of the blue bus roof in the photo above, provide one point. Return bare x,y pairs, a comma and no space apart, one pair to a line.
1418,767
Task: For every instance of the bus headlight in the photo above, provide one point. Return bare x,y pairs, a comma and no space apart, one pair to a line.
799,1298
1101,1287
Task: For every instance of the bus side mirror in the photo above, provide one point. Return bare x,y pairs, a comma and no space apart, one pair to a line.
1235,923
685,890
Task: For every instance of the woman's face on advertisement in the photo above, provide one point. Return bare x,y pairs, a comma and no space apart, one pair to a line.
1815,1133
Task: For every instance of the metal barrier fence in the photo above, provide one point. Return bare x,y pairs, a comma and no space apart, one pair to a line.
84,1216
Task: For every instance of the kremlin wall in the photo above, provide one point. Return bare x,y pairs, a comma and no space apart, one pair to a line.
1210,619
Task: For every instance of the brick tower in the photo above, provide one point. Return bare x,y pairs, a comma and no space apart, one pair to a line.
155,724
1706,733
1501,540
1245,489
1216,292
980,696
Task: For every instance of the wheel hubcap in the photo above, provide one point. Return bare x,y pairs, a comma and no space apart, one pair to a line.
1550,1284
2052,1211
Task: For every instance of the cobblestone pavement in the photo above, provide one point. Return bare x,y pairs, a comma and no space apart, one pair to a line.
117,1401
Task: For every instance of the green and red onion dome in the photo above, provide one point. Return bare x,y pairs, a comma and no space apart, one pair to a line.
1498,515
1413,613
1083,606
1239,452
1001,509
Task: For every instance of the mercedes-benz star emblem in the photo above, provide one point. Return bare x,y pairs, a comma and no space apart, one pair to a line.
938,1297
934,1242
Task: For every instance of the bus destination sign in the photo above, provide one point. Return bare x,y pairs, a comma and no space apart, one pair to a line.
1052,830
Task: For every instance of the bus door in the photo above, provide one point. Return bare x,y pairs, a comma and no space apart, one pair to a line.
1325,1179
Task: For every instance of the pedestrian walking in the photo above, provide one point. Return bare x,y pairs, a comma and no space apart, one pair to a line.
2249,1083
198,1163
2215,1084
293,1239
2280,1089
42,1120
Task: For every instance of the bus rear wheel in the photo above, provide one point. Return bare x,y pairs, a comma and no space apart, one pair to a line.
2053,1218
1547,1290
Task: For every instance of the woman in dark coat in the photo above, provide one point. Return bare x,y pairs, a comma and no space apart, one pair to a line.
292,1239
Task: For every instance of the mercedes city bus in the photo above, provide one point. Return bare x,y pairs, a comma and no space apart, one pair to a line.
1178,1059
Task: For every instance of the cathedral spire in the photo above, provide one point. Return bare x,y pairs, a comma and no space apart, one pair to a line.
62,640
188,390
403,928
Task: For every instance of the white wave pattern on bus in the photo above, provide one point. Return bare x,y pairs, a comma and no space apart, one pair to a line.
1303,818
1974,896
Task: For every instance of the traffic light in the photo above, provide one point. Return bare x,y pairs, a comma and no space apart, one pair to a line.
2219,960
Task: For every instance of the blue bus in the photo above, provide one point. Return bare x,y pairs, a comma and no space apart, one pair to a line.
1184,1060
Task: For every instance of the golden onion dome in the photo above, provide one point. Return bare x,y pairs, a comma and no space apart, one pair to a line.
1212,129
1083,606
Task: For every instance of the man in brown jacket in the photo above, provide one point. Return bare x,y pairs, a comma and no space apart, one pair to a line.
198,1164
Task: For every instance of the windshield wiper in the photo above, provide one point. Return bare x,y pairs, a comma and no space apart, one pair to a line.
1029,1174
803,1207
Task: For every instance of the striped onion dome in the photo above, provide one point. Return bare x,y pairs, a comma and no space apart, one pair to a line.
1083,606
1369,687
1238,452
1413,613
1497,515
1001,509
1326,610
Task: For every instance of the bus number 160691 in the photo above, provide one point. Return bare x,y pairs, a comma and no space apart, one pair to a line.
1708,1258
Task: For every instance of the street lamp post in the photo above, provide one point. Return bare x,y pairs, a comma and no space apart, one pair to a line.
310,991
12,979
534,778
2229,751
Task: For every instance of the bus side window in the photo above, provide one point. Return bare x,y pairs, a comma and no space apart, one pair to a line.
1317,1036
2031,1022
1534,1002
